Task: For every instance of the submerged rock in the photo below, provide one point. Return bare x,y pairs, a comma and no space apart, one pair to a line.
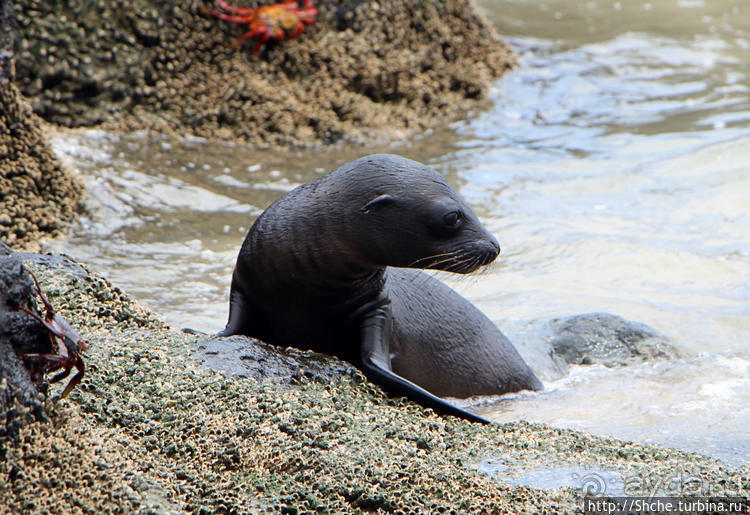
607,339
551,345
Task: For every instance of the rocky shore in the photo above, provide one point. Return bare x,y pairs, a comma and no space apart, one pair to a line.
152,430
39,198
366,71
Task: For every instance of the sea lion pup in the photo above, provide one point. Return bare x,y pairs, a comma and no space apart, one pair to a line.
316,271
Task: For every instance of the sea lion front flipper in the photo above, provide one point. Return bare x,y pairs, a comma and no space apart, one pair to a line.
376,363
242,315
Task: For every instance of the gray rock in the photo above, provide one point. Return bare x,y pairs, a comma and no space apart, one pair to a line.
19,333
17,329
551,345
250,358
607,339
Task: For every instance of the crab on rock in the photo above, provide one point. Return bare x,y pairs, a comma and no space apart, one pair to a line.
284,20
66,343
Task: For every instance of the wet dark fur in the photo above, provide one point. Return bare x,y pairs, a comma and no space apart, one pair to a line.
316,269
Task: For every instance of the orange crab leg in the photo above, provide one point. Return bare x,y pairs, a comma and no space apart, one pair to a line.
54,362
255,30
297,31
283,20
36,317
261,41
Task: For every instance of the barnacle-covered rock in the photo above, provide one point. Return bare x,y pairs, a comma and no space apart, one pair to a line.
364,71
38,196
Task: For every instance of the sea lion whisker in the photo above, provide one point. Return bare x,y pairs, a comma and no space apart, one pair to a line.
447,255
443,254
477,264
466,262
466,266
436,263
471,264
466,279
487,269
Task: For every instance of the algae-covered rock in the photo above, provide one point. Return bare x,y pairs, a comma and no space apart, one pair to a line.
365,70
152,430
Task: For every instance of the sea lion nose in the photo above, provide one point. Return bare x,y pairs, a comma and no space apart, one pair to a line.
495,245
491,250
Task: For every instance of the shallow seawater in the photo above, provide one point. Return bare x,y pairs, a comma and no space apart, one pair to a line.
613,166
592,481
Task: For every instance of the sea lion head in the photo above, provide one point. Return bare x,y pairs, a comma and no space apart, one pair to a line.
407,215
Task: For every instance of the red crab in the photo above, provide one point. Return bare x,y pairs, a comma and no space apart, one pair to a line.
66,343
285,20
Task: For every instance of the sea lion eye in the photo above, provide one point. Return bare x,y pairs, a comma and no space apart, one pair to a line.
453,219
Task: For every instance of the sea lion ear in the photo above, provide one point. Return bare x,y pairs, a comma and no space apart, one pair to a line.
380,200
